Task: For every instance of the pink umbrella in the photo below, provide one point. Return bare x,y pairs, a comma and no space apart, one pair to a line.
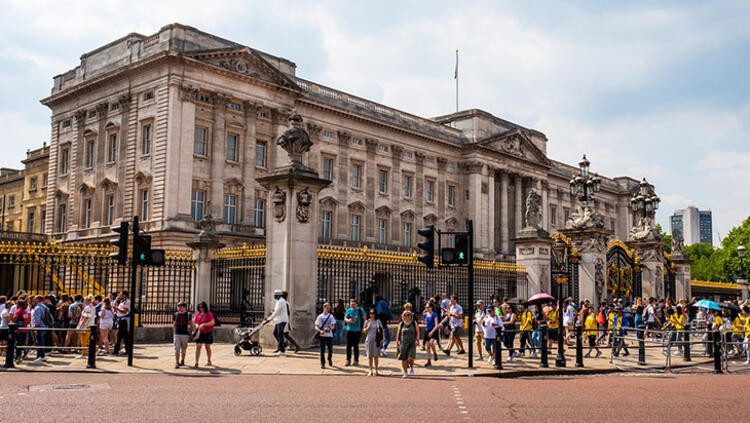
540,298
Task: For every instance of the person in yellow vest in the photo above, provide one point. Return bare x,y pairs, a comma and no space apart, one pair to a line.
591,326
526,325
738,332
746,314
553,325
678,320
610,323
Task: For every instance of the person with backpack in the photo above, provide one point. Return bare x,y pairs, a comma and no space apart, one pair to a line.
325,326
41,318
373,329
74,314
384,315
354,317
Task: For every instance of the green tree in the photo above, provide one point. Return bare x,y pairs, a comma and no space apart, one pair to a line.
666,239
720,264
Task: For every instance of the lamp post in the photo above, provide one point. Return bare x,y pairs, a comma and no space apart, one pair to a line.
645,202
584,184
741,251
560,253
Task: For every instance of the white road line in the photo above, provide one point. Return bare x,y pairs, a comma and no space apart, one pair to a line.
460,404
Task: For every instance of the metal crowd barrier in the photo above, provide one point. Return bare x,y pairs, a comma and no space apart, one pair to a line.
10,348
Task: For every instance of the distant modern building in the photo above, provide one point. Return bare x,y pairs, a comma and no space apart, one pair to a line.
696,225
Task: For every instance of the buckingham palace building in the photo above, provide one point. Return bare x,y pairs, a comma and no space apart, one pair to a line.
178,125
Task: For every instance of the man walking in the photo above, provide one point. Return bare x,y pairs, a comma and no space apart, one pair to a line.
122,314
280,318
40,318
182,323
384,315
455,316
354,319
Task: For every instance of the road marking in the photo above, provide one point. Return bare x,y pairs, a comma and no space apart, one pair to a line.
461,407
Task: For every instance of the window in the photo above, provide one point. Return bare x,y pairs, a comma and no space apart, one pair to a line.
197,204
200,143
407,186
32,184
11,201
407,234
110,209
146,139
382,148
230,209
144,205
44,180
92,114
62,216
328,134
42,220
262,114
202,98
260,213
89,154
553,215
66,123
328,168
112,148
467,195
234,106
30,221
325,224
64,160
356,141
357,176
382,225
232,144
612,224
148,96
429,189
86,213
260,154
566,214
356,223
114,107
408,154
451,195
383,181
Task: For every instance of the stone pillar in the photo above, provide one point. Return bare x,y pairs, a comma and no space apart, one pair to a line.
370,184
248,163
292,235
217,152
203,247
682,276
591,244
518,215
544,187
533,250
395,189
651,255
491,213
504,211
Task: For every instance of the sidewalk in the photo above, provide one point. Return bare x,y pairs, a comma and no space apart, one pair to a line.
159,358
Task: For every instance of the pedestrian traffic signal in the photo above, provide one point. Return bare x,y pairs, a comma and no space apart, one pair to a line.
143,254
121,255
462,248
428,246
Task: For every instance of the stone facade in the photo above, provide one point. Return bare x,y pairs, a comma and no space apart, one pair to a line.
180,124
23,194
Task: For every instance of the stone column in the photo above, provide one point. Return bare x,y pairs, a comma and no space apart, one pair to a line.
292,235
651,255
341,185
533,249
418,194
591,244
504,211
544,187
99,164
491,212
518,216
395,193
682,277
203,247
246,216
370,175
441,190
217,150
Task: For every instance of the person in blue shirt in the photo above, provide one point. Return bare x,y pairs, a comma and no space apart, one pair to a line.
618,333
354,317
384,315
430,333
38,317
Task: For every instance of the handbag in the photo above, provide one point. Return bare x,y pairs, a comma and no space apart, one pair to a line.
379,335
317,334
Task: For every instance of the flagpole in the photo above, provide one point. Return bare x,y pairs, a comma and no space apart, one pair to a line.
455,76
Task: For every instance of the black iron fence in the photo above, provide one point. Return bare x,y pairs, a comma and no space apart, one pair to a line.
41,268
238,283
345,273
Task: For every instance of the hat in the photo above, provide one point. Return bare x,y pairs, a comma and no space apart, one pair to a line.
480,302
181,304
276,292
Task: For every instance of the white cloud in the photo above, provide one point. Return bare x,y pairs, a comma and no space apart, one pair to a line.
20,134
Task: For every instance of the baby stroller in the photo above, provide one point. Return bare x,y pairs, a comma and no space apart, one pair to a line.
247,339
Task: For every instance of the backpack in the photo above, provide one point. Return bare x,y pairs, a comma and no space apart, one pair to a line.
47,318
600,318
77,313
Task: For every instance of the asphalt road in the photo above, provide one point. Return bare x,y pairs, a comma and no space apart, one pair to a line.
153,397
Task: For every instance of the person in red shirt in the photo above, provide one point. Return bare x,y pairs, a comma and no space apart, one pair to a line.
22,318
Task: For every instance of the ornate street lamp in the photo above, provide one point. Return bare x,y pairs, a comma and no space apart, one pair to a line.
584,184
645,202
560,254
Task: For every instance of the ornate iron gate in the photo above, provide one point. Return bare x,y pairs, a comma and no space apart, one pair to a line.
570,287
623,272
238,277
670,291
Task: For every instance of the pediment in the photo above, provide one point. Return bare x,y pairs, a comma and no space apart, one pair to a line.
383,211
515,143
328,202
430,219
245,61
357,206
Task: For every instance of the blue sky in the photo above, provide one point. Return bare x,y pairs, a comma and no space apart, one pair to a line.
654,89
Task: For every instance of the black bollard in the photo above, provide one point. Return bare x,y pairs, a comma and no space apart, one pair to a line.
10,349
579,345
499,351
710,345
717,351
642,351
686,345
545,354
92,348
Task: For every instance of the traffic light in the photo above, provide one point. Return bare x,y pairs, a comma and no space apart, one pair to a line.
121,243
428,246
462,249
143,254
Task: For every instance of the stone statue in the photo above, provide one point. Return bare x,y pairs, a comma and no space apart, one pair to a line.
304,198
678,243
599,282
207,224
533,210
278,198
645,230
584,218
295,140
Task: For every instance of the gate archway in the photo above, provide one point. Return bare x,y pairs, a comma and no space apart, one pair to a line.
623,272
